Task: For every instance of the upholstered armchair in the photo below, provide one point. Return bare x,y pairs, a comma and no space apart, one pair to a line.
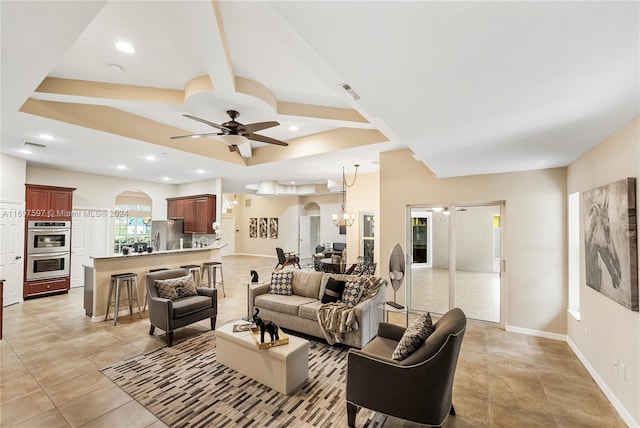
168,315
418,388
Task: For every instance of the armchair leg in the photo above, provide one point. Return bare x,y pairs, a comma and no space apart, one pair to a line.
169,339
213,323
452,411
152,329
352,409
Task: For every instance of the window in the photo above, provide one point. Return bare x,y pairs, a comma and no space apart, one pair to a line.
368,236
573,226
135,226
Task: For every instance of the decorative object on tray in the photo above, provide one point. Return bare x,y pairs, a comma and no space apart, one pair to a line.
266,326
610,234
283,339
396,273
237,328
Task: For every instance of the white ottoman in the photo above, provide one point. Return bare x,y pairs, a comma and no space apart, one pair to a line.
282,368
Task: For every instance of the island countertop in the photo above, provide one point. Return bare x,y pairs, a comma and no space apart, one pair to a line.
161,252
98,273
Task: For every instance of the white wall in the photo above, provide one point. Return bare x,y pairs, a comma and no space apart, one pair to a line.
12,179
606,330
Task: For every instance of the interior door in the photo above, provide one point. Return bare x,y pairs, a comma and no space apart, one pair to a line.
11,251
305,241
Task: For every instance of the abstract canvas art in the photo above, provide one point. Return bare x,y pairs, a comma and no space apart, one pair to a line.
263,227
273,227
253,227
610,234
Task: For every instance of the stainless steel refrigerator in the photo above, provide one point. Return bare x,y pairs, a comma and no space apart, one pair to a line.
166,235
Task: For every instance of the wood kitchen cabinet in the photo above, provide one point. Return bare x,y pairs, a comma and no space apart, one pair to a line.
48,202
198,212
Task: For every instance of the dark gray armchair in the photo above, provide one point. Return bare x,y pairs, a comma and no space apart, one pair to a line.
169,315
418,388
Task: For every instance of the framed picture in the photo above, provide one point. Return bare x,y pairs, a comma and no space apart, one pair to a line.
263,227
610,241
253,227
273,227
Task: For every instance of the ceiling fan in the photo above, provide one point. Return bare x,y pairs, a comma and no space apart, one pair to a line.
235,134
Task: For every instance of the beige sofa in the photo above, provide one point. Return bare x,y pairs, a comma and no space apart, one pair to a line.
299,311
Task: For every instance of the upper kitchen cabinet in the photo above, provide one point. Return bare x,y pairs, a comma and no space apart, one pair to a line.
198,212
48,202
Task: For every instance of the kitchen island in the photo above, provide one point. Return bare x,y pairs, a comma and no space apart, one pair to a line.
98,275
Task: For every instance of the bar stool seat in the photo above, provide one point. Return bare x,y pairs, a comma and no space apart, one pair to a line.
194,270
211,269
130,281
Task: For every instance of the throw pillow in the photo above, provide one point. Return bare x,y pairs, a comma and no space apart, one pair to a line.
281,283
413,337
352,292
333,291
176,288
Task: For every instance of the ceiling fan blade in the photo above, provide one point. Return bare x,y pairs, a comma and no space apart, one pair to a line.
263,139
253,127
196,135
215,125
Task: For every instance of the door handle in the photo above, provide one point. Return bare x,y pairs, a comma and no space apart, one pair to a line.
18,257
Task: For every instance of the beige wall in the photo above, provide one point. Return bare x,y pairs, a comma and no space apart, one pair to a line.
607,330
534,228
12,179
100,191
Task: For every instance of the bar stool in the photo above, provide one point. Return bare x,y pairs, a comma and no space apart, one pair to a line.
211,269
146,293
194,270
130,280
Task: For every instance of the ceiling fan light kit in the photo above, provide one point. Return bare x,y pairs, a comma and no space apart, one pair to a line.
236,134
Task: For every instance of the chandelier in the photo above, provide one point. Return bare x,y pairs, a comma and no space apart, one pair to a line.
342,217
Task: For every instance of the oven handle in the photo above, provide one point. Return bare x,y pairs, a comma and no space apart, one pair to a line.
49,230
49,255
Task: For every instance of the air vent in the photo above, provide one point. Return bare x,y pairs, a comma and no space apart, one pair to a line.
30,144
247,203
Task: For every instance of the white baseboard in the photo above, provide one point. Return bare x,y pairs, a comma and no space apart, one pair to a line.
624,414
255,255
537,333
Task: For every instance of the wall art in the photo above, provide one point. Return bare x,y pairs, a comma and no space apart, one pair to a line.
610,235
273,227
253,227
263,227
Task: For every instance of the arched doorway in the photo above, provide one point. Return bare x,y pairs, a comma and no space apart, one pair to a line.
309,229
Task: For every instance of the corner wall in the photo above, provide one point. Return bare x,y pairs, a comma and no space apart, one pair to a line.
606,330
534,227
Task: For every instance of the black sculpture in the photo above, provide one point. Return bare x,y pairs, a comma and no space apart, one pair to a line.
268,326
254,276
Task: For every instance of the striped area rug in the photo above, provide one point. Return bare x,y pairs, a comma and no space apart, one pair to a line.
185,386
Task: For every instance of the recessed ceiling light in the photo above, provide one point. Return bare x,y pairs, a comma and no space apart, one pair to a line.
46,137
200,171
293,182
125,47
26,151
293,128
150,158
115,67
121,167
166,178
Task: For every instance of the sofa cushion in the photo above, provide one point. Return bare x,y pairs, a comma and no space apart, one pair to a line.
413,337
339,276
352,292
281,283
283,304
176,288
309,310
333,290
306,283
191,304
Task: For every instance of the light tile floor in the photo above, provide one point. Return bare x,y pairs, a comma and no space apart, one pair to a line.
51,354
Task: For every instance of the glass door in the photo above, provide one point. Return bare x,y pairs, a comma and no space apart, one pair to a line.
456,259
